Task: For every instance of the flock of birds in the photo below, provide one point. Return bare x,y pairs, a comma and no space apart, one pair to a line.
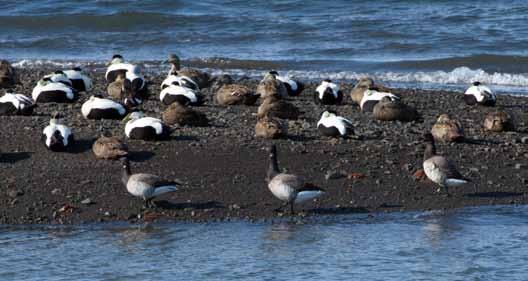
180,91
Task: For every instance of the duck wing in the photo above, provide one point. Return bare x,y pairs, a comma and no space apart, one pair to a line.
447,167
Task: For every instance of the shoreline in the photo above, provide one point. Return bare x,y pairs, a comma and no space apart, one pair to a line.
43,187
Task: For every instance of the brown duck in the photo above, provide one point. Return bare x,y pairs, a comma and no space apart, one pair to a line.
110,148
276,107
234,94
270,128
8,76
448,129
182,115
199,77
393,110
498,121
271,86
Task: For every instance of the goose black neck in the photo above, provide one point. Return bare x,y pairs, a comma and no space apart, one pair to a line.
125,175
430,150
273,168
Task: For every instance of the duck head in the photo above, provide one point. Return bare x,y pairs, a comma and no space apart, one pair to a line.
477,83
116,59
174,60
134,115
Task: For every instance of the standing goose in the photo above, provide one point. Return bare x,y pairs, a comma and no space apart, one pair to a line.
328,93
181,95
372,96
438,168
79,81
8,76
16,104
57,137
333,126
271,86
294,88
49,91
146,186
202,79
287,187
145,128
479,94
98,107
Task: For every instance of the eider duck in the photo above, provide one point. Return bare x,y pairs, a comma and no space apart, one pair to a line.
139,86
448,129
97,107
438,168
202,79
115,66
182,95
59,77
16,104
57,137
145,128
270,128
49,91
115,89
289,188
178,80
79,81
234,94
372,96
293,87
8,76
394,110
146,186
479,94
498,121
271,86
182,115
332,125
109,148
276,107
359,89
328,93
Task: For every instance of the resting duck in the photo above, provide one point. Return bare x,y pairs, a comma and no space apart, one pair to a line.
332,125
328,93
372,96
447,129
16,104
98,107
289,188
110,148
115,89
479,94
234,94
202,79
181,95
294,88
276,107
271,86
8,76
438,168
270,128
79,81
145,128
139,86
49,91
182,115
178,80
115,66
394,110
499,121
57,137
146,186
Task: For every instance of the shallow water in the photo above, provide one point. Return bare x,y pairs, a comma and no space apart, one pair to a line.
485,243
410,43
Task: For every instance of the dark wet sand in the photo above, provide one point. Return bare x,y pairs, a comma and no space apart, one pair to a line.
225,166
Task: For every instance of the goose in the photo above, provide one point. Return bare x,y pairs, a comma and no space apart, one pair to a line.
49,91
276,107
79,81
332,125
294,88
202,79
146,186
97,107
182,115
145,128
328,93
448,129
16,104
372,96
182,95
438,168
391,110
110,148
271,86
270,128
8,75
289,188
479,94
57,137
498,121
234,94
178,80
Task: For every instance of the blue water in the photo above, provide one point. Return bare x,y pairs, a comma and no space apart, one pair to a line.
486,243
421,43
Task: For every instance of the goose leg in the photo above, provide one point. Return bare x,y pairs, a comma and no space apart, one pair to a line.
291,208
281,207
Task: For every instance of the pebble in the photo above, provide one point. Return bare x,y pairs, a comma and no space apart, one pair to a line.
332,175
15,193
519,166
55,191
87,201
